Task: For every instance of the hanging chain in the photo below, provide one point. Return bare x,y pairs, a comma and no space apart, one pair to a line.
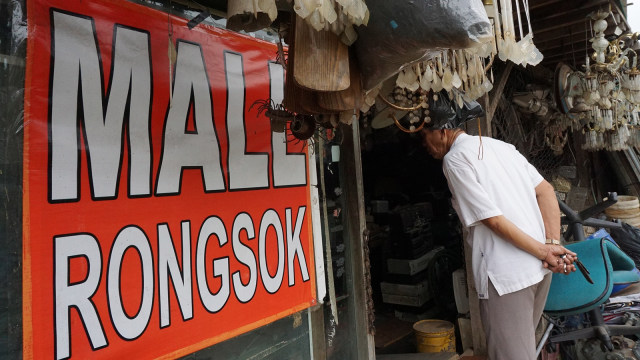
371,316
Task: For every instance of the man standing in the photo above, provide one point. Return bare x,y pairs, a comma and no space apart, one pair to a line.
513,222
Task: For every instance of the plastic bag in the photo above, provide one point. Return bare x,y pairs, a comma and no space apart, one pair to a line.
445,113
403,32
628,239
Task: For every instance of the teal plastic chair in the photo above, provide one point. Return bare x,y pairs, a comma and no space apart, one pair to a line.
573,294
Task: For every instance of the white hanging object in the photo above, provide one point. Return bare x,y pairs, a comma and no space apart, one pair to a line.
522,52
425,81
400,82
459,100
436,85
428,72
337,16
412,82
447,79
250,15
456,81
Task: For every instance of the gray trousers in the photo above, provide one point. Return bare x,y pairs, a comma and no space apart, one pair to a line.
510,321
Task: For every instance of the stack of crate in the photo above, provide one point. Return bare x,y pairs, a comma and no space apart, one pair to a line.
411,231
406,286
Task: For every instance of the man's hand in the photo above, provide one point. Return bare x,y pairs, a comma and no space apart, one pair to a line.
559,259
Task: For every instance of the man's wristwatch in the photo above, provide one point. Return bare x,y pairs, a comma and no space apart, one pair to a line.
552,242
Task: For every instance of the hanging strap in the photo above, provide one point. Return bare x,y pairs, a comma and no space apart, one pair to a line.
519,19
527,13
480,148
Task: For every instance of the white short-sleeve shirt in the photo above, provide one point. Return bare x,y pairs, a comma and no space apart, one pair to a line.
500,182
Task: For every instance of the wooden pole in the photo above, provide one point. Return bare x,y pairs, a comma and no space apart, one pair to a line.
496,93
354,193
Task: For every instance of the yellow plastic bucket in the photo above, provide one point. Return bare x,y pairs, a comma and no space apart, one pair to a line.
434,336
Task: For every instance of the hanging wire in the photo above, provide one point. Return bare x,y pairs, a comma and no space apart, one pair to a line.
573,53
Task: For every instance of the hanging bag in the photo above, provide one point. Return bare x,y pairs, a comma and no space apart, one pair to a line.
402,32
447,114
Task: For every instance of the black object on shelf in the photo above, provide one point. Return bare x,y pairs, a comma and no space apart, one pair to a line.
411,234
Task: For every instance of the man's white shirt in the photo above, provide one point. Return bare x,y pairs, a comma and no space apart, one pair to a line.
495,180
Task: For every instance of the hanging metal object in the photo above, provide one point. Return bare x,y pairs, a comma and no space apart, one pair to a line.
303,127
406,102
278,115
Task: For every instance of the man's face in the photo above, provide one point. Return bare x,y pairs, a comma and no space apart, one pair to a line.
435,142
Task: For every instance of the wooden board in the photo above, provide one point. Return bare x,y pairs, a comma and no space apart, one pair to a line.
348,99
309,101
322,60
296,98
293,95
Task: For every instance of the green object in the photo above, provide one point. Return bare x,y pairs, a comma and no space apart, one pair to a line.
607,265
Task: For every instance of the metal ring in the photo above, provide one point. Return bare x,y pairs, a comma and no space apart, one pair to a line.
399,107
404,128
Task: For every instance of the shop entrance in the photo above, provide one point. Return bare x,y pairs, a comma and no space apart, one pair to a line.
415,238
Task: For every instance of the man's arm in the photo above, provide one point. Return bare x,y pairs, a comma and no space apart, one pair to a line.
549,254
548,204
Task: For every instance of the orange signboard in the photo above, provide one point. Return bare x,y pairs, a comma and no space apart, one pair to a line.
161,214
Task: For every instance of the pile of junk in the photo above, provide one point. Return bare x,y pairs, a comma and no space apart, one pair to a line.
346,58
594,313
